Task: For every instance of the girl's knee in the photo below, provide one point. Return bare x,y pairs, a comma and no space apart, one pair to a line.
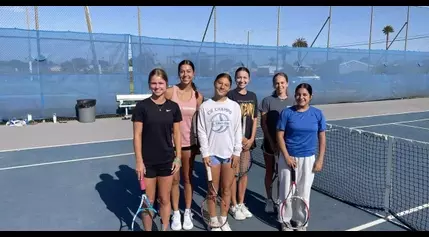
226,191
164,200
187,179
176,179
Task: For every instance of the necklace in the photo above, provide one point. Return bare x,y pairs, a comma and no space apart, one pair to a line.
160,106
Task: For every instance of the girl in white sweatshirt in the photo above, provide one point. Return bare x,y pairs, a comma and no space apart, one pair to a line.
219,135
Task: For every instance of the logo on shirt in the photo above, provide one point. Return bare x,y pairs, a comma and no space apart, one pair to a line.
220,123
247,109
167,110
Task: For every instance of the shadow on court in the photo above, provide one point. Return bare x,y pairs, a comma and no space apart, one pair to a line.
116,198
256,204
122,196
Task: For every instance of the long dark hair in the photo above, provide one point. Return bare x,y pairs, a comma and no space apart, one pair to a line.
190,63
282,74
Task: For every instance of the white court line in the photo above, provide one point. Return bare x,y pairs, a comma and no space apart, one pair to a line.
378,115
67,144
411,126
65,161
394,123
390,217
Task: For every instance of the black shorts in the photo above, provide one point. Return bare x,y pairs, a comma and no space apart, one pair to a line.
192,148
160,170
189,148
266,147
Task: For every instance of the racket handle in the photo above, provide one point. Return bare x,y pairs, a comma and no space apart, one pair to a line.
243,124
209,174
293,175
142,184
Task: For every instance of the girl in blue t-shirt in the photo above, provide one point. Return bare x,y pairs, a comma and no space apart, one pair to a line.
300,129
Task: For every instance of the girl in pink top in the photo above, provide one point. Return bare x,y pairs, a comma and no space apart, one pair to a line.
185,94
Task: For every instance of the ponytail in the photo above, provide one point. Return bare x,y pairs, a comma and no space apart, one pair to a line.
194,87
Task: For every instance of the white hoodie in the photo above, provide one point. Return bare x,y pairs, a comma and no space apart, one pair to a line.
219,128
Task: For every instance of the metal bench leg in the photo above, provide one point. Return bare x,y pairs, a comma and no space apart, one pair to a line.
127,116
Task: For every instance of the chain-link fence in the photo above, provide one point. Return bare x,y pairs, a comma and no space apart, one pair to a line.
59,54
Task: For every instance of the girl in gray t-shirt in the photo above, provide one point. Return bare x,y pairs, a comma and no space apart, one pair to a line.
270,108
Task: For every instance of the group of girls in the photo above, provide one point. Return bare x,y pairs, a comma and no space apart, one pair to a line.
166,140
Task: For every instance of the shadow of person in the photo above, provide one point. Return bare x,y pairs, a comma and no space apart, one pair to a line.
256,204
116,198
128,179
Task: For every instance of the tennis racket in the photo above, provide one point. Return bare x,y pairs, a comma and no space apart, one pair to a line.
245,162
274,187
212,205
145,205
295,207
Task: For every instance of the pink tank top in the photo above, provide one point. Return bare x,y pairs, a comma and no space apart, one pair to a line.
188,109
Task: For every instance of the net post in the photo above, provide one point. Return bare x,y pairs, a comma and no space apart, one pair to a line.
388,186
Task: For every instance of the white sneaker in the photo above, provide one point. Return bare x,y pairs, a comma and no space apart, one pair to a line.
215,223
302,229
175,221
269,206
235,212
285,228
226,227
187,220
244,210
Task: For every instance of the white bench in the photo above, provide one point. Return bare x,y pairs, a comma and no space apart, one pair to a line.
130,101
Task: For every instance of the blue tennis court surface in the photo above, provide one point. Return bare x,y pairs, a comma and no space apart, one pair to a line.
93,187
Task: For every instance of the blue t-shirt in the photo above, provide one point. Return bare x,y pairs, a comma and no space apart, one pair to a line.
301,130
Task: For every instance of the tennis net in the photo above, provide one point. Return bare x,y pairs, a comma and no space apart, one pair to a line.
375,172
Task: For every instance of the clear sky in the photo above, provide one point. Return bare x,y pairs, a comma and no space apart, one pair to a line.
349,28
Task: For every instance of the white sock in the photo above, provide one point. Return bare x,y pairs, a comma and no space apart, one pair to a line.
223,219
214,219
176,212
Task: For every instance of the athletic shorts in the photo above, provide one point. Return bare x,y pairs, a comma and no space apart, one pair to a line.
160,170
266,147
188,148
217,160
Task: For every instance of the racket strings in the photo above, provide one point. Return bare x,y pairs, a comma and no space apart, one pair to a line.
300,212
295,211
211,210
244,163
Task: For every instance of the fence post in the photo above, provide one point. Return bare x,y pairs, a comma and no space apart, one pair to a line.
388,186
39,57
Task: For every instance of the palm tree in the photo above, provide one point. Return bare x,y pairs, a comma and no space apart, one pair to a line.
387,30
299,43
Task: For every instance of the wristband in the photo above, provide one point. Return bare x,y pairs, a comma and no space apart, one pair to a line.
177,160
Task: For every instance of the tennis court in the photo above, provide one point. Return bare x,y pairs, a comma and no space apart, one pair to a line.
92,186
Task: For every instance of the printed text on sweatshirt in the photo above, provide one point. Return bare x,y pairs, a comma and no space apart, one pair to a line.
219,128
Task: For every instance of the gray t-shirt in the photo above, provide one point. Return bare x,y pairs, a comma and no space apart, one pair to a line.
273,106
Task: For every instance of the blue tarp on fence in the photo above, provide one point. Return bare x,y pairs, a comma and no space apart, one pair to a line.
46,72
337,75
